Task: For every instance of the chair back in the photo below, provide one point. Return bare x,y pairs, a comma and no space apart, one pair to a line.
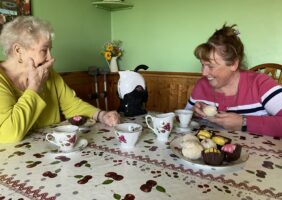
272,69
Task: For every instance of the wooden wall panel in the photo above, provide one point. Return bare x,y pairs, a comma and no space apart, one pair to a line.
81,83
113,100
167,91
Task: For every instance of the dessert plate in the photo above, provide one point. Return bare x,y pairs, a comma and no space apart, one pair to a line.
199,163
182,130
80,145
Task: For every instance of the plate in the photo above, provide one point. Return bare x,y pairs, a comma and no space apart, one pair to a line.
194,125
80,145
199,163
182,130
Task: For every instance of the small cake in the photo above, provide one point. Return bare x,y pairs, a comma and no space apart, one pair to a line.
188,137
204,134
77,120
213,156
192,149
220,140
208,143
231,152
210,111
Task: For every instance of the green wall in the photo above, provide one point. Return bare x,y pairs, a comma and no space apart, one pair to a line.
80,32
164,33
159,33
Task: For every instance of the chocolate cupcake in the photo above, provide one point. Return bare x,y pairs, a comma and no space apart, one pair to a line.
212,156
77,120
231,152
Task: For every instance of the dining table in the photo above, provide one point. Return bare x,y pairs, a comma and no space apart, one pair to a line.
102,170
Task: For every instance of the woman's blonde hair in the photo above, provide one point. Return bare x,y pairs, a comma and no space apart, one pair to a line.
226,43
24,30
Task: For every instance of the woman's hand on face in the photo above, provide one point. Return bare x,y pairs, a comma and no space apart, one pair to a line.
229,121
198,109
37,75
110,118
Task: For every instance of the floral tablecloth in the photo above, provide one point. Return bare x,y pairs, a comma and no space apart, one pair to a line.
32,169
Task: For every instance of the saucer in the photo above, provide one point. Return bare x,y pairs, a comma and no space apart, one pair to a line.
80,145
182,130
194,125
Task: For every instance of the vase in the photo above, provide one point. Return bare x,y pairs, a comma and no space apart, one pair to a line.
113,64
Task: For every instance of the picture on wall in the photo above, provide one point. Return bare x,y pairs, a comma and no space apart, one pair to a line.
9,9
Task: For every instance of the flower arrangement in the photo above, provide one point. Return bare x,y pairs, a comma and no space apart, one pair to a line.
112,49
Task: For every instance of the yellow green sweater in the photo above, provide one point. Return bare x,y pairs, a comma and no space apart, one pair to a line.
23,111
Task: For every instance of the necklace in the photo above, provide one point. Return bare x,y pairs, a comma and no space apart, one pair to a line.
224,102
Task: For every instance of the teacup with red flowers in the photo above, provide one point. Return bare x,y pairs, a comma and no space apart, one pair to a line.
128,134
64,137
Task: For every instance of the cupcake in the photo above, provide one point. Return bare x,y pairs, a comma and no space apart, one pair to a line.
220,140
213,156
210,111
208,143
204,134
192,149
188,137
77,120
231,152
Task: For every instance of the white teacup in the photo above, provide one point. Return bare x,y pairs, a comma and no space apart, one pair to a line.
184,117
162,125
128,134
64,137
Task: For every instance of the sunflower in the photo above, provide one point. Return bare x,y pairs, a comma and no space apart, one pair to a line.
112,49
107,55
109,47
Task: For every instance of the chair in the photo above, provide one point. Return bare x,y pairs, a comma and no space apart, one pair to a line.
272,69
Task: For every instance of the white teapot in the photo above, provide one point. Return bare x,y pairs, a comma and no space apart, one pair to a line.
128,81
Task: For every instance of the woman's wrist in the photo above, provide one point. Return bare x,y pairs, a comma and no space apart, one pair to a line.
244,123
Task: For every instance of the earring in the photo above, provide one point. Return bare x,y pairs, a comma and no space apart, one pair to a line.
20,60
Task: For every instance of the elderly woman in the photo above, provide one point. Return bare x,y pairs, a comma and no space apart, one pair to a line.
31,92
245,100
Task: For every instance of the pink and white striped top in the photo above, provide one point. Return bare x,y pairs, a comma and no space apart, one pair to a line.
259,97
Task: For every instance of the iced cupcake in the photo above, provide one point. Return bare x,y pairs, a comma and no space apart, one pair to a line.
77,120
204,134
220,140
212,156
231,152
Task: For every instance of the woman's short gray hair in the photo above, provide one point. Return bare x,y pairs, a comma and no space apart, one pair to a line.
24,30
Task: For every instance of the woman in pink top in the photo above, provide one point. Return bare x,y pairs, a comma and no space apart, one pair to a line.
245,100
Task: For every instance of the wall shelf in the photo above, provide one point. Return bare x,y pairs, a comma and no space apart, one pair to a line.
112,5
